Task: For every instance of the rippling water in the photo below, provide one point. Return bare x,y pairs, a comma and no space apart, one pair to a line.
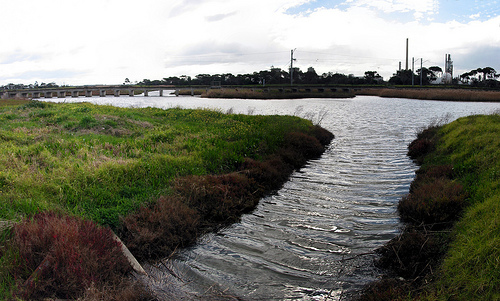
312,240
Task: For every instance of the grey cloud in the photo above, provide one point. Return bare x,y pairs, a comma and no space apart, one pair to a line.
45,75
19,57
219,17
208,52
184,7
479,57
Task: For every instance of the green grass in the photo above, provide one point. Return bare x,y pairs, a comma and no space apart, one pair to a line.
471,268
101,162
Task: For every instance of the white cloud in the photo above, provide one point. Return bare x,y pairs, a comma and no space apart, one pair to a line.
418,8
475,16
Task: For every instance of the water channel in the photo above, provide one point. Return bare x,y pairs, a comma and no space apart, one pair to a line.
313,239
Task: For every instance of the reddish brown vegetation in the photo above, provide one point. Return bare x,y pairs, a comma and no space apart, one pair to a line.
412,255
423,145
324,136
63,256
436,204
157,230
205,203
385,289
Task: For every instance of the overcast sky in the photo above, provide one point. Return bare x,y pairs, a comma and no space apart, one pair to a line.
76,42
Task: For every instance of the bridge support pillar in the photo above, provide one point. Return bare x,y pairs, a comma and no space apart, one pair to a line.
131,92
161,93
117,93
146,93
75,94
88,93
61,94
35,95
102,93
48,94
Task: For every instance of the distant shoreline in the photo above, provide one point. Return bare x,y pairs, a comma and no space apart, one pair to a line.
446,94
428,93
273,93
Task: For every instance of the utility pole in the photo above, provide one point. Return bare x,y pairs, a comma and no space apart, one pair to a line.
421,70
291,66
412,68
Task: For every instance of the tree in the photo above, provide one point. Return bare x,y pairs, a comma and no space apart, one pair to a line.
372,77
436,71
489,73
311,77
402,77
203,79
427,76
127,81
465,77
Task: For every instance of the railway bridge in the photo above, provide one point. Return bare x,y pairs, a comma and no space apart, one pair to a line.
84,91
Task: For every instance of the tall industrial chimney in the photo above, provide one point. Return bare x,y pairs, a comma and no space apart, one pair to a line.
406,53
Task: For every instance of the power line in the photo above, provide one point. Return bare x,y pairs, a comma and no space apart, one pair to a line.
353,56
225,54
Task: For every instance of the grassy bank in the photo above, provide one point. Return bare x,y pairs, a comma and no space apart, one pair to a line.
449,249
159,178
437,93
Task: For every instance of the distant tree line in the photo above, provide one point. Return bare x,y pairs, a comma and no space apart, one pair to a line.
275,76
31,86
481,77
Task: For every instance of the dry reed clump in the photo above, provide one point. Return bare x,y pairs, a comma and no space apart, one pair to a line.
63,256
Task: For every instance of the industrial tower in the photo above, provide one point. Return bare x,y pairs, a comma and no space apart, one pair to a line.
448,69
